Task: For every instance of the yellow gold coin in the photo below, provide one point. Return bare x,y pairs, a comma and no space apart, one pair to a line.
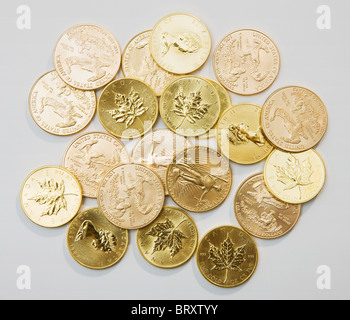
94,242
51,196
227,256
190,106
170,240
294,177
239,135
127,108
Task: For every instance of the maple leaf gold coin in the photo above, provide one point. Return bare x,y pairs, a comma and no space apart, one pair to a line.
170,240
190,106
58,108
138,63
260,213
91,155
87,56
294,177
51,196
227,256
199,178
131,195
246,62
294,119
180,43
239,134
94,242
127,108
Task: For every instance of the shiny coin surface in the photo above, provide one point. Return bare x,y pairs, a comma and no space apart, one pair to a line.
180,43
94,242
59,108
294,119
190,106
246,62
260,213
51,196
138,63
90,156
127,108
157,149
294,177
227,256
131,196
170,240
87,56
199,179
239,134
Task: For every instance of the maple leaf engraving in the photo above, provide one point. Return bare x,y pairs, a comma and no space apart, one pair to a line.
168,236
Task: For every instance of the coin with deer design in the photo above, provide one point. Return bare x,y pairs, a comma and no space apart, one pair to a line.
131,195
94,242
294,177
227,256
199,178
170,240
51,196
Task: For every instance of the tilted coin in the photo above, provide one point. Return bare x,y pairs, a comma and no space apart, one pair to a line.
294,118
87,56
127,108
294,177
239,134
51,196
190,106
94,242
199,179
170,240
260,213
157,149
59,108
131,195
91,155
138,63
227,256
180,43
246,62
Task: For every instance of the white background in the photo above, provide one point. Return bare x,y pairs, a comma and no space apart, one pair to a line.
287,267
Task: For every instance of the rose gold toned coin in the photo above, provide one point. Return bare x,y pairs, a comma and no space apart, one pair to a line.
294,119
91,155
131,196
59,108
260,213
246,62
87,56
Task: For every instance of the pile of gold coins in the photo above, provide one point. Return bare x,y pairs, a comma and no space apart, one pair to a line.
131,189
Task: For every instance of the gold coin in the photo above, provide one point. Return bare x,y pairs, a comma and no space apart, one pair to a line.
199,179
138,63
170,240
157,149
294,177
180,43
294,118
246,62
87,56
59,108
131,195
127,108
51,196
91,155
94,242
239,134
260,213
227,256
190,106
